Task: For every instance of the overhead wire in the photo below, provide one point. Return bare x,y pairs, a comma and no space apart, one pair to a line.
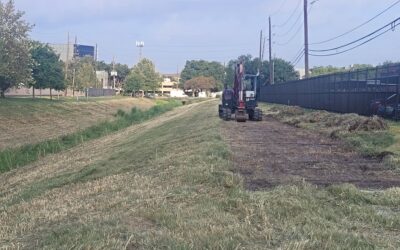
297,30
391,24
298,60
299,57
290,17
359,26
280,8
392,28
298,53
292,27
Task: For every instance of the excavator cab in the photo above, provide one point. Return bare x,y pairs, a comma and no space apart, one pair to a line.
242,99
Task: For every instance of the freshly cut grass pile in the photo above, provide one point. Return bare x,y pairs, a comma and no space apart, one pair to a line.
371,136
294,115
168,185
17,157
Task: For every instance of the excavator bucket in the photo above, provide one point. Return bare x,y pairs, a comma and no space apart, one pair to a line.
240,115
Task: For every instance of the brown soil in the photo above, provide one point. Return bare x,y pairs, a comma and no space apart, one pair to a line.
270,153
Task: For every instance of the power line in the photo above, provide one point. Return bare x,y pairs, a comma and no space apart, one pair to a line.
291,28
391,24
359,26
299,28
280,8
298,54
290,17
359,45
292,37
299,58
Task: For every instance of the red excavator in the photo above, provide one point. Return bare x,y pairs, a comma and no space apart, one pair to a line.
242,99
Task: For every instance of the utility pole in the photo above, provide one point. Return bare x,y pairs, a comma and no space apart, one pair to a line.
271,66
306,62
67,59
114,72
261,51
73,83
95,56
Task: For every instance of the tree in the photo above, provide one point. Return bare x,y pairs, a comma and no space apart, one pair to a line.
324,70
283,70
200,83
82,74
203,68
123,71
47,68
144,77
15,59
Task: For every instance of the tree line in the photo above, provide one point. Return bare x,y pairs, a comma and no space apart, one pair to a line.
28,63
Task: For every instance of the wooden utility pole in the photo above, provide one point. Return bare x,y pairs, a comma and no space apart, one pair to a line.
67,59
306,62
113,72
67,65
271,66
261,48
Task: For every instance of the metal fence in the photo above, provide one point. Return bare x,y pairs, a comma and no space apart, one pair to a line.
348,92
93,92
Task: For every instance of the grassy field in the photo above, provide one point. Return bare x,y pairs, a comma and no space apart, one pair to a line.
168,184
27,121
18,157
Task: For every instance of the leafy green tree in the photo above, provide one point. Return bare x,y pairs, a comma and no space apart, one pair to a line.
101,65
15,58
323,70
123,71
201,83
144,77
283,70
47,68
203,68
82,74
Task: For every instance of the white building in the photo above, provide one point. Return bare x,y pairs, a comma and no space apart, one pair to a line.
104,79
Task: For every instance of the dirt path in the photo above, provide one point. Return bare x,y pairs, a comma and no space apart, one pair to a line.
270,153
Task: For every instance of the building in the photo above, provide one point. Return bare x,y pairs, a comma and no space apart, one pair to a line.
169,84
104,79
68,52
302,73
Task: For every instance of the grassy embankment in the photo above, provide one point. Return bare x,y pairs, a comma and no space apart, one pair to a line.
29,121
371,136
169,185
16,157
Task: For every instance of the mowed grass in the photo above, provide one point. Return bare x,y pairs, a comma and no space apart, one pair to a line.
170,185
18,157
28,121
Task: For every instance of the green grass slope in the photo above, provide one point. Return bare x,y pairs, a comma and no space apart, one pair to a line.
168,184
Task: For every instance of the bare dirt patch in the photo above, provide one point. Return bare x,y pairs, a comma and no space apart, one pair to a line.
270,153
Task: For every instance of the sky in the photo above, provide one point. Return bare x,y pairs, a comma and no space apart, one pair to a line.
175,31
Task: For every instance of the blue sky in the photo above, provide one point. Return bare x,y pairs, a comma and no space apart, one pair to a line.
178,30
